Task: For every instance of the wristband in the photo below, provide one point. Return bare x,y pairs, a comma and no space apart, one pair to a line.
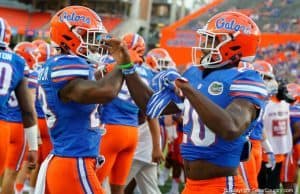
130,71
126,66
32,137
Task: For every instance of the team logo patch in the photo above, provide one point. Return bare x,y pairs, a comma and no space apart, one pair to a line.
215,88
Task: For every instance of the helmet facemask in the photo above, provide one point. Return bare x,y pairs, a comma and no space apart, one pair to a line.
207,54
91,45
164,64
270,83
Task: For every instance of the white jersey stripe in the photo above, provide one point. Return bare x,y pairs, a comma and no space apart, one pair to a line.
32,80
248,88
70,72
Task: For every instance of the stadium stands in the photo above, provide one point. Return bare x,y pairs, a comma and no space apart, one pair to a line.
270,15
23,21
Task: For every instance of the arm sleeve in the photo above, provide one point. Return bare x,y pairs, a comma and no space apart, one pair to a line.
294,114
69,68
32,80
249,85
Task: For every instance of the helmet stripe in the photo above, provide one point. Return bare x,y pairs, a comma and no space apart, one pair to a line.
134,40
2,30
48,51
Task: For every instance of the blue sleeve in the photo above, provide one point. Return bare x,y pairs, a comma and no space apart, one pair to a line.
20,64
32,80
294,114
249,85
66,68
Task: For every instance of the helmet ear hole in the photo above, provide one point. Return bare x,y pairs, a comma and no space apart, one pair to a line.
68,38
234,48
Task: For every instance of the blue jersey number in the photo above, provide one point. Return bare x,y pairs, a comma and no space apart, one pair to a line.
200,134
5,77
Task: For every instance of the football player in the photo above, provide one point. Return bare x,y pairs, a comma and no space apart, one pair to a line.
17,145
250,168
70,100
221,103
12,75
276,128
288,174
121,123
45,146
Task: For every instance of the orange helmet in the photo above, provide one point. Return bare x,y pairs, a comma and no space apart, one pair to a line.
245,65
79,30
46,51
294,91
5,33
159,59
136,42
29,52
264,68
228,37
38,42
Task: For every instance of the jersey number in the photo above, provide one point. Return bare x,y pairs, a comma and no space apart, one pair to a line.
5,77
13,102
200,134
50,116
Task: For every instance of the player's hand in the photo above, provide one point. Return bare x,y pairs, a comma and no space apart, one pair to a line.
32,159
167,78
271,160
118,50
157,155
98,74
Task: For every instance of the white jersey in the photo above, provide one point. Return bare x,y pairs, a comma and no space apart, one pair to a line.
276,122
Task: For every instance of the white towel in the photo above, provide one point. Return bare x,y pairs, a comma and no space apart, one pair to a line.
41,180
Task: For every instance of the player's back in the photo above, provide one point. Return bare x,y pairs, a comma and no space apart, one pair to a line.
222,87
11,73
73,127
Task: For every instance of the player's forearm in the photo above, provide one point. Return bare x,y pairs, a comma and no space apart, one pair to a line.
155,131
93,92
139,91
214,117
112,84
26,104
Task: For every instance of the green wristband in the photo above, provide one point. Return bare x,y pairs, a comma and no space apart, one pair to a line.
126,66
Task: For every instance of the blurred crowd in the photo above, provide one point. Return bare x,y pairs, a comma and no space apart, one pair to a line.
285,59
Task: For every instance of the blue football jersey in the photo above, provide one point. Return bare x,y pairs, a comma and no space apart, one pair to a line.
221,87
38,99
11,73
257,131
294,116
257,127
73,127
13,109
122,110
